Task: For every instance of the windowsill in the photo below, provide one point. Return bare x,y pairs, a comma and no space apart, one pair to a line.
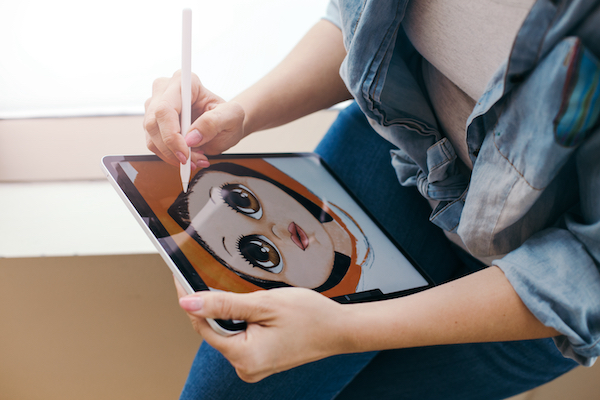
56,200
67,219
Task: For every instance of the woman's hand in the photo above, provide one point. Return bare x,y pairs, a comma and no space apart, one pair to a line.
289,327
286,328
217,125
307,80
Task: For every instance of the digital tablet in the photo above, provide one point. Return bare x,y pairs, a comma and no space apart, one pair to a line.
261,221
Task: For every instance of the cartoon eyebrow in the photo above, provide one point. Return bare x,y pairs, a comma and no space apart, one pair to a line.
225,247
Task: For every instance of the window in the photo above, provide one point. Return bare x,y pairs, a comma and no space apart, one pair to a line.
74,58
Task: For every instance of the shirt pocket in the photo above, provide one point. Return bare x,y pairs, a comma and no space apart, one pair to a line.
580,107
538,118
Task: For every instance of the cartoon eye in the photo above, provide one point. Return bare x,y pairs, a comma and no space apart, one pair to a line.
241,199
261,252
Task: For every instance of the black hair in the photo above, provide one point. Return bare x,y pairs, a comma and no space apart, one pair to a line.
180,206
179,211
341,264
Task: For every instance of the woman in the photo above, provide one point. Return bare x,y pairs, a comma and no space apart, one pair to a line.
490,112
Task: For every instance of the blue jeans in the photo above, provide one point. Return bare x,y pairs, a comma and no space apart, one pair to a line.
487,371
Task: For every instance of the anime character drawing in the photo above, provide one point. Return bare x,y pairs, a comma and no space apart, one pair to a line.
267,233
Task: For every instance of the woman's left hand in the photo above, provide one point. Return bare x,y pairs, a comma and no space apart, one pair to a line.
286,328
291,326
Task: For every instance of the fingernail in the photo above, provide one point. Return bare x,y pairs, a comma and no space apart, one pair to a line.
203,163
193,138
181,157
191,303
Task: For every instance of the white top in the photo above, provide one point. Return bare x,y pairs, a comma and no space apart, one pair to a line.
464,42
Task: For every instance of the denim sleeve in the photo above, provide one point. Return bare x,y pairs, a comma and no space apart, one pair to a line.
333,13
556,272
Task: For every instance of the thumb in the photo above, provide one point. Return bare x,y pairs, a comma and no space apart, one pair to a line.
217,129
222,305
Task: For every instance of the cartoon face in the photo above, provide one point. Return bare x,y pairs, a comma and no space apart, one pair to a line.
261,231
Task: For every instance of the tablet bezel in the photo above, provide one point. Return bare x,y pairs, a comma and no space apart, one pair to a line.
177,261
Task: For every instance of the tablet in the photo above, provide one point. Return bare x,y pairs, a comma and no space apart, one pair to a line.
261,221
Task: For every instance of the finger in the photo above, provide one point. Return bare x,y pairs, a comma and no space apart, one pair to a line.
218,341
217,129
153,138
199,160
152,147
221,305
152,131
180,290
227,345
162,120
235,348
167,113
169,140
199,324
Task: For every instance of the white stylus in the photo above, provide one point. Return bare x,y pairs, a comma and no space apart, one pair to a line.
185,170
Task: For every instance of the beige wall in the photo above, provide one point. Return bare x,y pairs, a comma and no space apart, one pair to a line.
57,149
105,327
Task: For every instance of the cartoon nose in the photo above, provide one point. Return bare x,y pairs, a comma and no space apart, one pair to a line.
279,231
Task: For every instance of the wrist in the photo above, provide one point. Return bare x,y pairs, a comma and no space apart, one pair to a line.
251,122
354,328
245,125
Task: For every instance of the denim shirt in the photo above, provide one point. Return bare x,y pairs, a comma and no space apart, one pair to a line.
533,197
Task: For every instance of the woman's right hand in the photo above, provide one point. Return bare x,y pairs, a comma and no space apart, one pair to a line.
216,124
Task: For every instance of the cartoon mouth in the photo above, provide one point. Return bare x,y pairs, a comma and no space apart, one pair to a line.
298,236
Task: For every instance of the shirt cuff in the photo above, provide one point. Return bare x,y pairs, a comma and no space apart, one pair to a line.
332,14
558,280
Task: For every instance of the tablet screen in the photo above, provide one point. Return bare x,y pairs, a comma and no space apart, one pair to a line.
251,222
